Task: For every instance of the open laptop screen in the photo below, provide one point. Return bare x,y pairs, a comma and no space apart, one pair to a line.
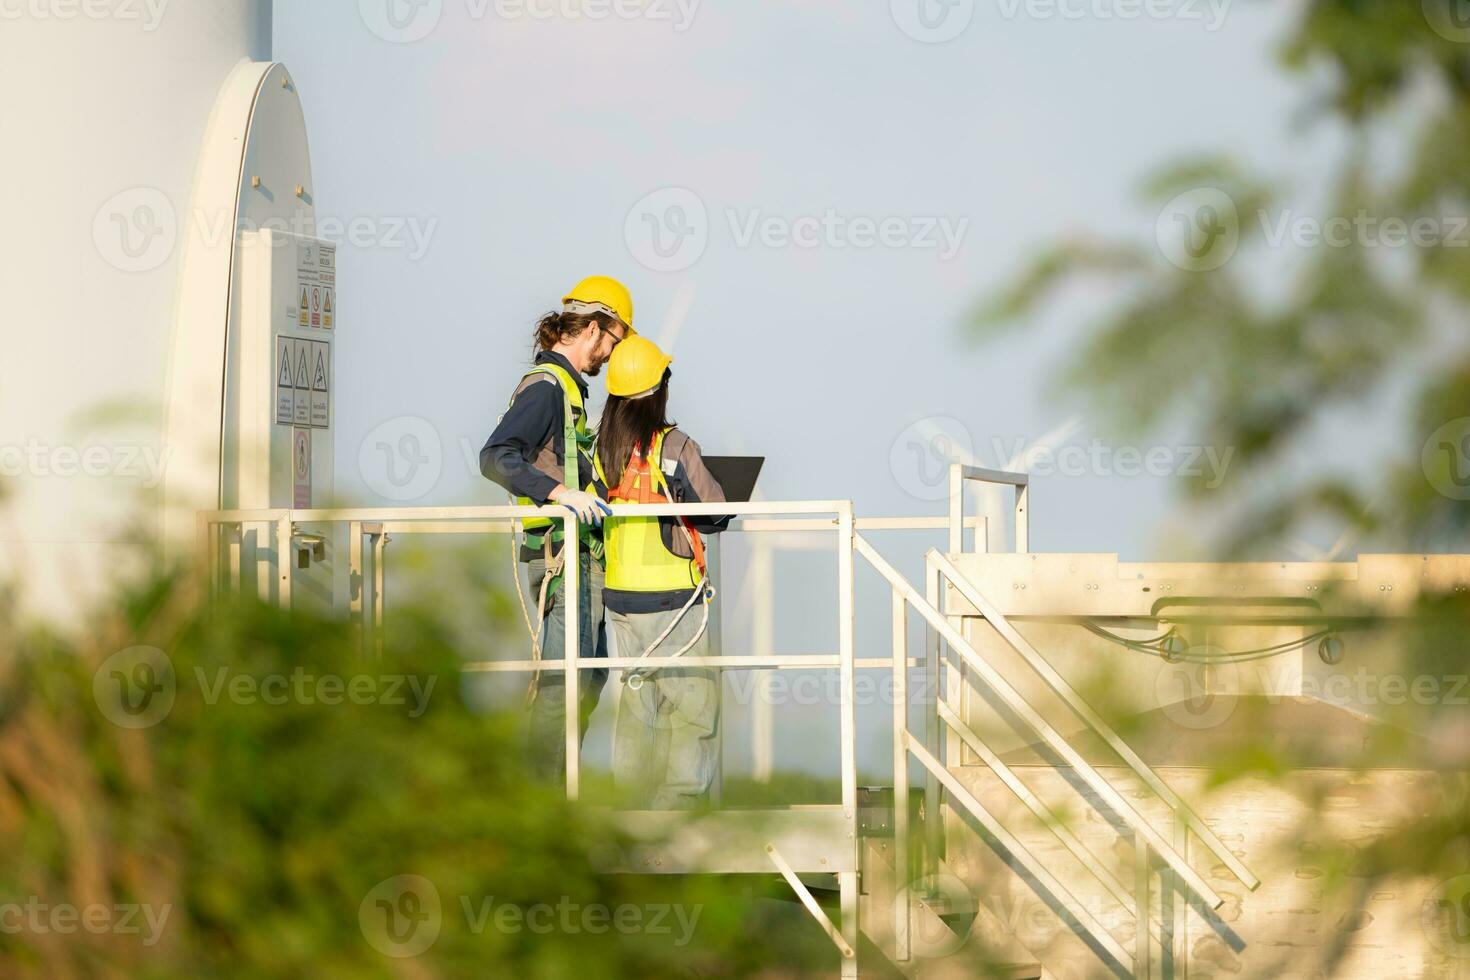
737,474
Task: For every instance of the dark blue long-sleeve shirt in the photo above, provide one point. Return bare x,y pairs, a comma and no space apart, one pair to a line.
526,447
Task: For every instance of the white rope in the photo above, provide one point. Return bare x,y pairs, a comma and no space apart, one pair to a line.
634,679
552,569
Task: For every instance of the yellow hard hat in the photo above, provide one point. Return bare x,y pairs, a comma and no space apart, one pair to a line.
636,367
601,294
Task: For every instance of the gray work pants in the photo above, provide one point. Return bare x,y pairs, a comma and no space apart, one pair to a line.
547,748
664,747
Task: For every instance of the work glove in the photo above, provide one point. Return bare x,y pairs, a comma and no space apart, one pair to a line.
589,508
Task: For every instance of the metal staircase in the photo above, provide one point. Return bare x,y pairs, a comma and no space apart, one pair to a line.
1154,855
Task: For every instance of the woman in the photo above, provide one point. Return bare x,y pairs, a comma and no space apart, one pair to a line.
656,594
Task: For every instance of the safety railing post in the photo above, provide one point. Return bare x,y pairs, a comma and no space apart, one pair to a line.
283,561
956,508
233,534
355,585
1179,924
1023,520
901,908
572,634
380,582
1142,942
763,630
933,734
715,628
847,881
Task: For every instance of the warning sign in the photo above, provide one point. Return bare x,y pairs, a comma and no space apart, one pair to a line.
328,301
285,380
302,414
304,313
301,468
326,265
321,353
316,306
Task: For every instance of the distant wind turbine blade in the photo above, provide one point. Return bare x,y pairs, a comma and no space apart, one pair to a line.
994,502
1048,442
1349,536
1306,551
929,430
678,313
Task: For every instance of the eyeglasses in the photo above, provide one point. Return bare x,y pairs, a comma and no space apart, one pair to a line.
618,338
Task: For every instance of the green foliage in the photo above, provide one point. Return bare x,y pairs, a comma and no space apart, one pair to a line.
264,819
1254,346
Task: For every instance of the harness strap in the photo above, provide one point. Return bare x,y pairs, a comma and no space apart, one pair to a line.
574,440
634,489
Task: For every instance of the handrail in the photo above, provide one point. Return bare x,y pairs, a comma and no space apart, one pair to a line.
1033,718
959,475
1034,803
836,516
1074,700
1018,851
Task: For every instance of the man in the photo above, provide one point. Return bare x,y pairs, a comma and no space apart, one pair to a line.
541,451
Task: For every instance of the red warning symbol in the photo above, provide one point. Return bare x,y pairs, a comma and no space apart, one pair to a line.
316,306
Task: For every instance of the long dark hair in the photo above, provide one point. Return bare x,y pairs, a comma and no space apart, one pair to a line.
628,424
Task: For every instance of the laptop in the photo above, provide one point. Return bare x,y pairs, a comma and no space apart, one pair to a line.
736,474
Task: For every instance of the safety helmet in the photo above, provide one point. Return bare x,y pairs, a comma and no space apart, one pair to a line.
636,367
600,294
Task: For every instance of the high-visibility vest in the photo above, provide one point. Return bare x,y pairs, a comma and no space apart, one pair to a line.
576,441
636,558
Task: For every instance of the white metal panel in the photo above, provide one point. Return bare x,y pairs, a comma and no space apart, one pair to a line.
102,145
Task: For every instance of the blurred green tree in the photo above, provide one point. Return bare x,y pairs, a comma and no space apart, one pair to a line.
230,790
1221,322
1254,335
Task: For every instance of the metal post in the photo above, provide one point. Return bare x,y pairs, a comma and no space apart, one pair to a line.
571,586
956,508
283,561
355,583
764,634
934,740
233,534
847,891
1023,522
254,545
900,778
1142,942
847,881
717,649
1180,944
380,563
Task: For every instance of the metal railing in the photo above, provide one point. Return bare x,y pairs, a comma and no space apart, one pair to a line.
960,476
287,531
945,634
221,533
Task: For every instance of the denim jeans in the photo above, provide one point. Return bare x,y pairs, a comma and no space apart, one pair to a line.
547,747
665,745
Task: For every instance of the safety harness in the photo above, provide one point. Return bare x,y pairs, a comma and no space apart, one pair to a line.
545,533
638,561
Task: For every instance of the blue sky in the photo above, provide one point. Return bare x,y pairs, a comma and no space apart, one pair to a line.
513,151
843,186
